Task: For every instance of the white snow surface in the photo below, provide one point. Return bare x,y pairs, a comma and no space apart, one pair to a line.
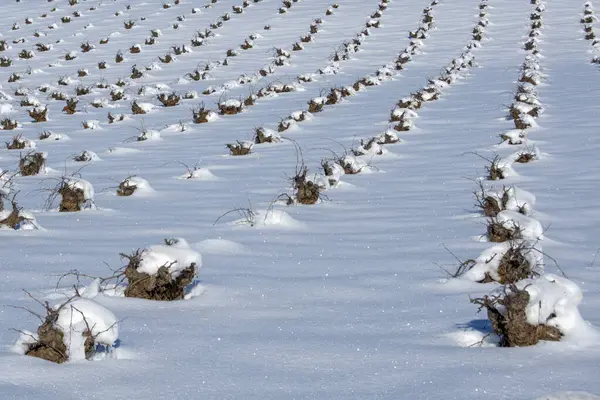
337,300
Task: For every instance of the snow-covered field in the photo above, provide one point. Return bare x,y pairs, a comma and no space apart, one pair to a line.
344,253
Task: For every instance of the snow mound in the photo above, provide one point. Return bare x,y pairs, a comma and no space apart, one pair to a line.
78,184
514,137
149,135
91,124
553,300
470,337
528,227
231,103
519,200
83,314
73,319
51,136
354,165
140,185
121,150
176,128
178,257
146,107
87,156
26,221
269,218
489,260
200,174
26,143
334,174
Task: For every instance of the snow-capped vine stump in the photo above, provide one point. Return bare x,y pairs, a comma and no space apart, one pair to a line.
507,313
76,195
136,108
306,191
71,107
240,148
126,188
514,265
39,114
169,100
32,164
230,107
131,184
50,344
499,231
490,206
261,135
201,115
70,331
161,272
11,219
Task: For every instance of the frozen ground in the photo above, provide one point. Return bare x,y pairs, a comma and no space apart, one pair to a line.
343,299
